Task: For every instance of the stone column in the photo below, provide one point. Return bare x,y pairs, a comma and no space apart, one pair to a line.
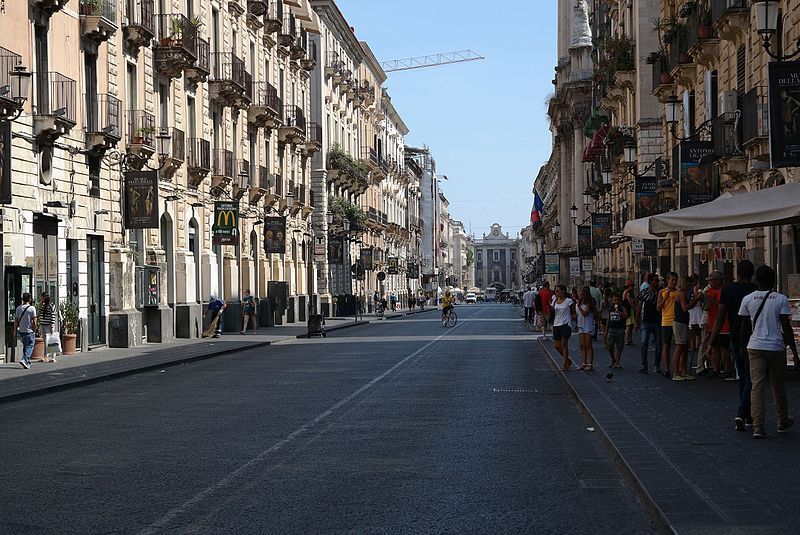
124,321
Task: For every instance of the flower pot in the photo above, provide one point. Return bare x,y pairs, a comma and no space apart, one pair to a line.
705,32
684,58
38,349
666,78
165,41
68,343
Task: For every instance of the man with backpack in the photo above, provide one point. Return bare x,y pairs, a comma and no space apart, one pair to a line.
25,328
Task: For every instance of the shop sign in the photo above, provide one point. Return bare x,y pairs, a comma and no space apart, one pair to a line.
784,114
588,265
698,182
225,230
5,162
551,264
141,199
645,196
275,235
575,266
366,258
637,245
601,231
585,240
393,265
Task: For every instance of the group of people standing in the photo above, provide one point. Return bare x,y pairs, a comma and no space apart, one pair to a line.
737,332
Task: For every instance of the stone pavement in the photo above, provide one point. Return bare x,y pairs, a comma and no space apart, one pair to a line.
677,440
106,363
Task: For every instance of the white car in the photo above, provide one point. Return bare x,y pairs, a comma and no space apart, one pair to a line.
471,298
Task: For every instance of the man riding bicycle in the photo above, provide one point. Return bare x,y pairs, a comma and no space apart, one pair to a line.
448,301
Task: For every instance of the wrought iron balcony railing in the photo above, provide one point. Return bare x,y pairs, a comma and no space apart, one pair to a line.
56,95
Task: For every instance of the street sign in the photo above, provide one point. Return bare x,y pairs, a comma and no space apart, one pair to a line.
575,266
381,276
637,245
588,265
551,263
319,246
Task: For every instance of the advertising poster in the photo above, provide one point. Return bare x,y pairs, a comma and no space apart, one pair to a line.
650,248
393,265
645,196
366,258
5,162
699,183
335,249
551,264
141,199
601,231
585,240
784,113
413,271
226,223
275,235
574,266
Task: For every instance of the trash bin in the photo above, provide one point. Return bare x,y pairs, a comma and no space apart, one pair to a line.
316,325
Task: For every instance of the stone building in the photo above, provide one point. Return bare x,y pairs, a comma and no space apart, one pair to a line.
497,261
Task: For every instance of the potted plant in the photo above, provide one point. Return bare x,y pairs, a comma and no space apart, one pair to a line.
69,313
705,28
143,134
90,7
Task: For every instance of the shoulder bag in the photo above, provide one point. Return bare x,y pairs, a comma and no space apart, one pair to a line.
758,314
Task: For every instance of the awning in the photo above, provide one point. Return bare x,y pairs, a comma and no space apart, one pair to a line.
597,146
638,228
721,236
770,206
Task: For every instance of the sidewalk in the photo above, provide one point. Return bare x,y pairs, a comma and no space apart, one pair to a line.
105,363
678,442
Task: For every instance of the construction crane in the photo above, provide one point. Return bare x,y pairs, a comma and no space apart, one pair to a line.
433,60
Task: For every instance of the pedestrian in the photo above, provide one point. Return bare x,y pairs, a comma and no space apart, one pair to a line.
543,302
25,328
393,301
529,303
730,302
605,307
766,314
587,328
47,322
617,320
649,319
666,305
695,331
684,302
564,308
597,295
628,301
249,312
720,349
216,309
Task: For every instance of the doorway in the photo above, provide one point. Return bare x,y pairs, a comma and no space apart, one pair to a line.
167,243
45,246
254,254
96,281
194,248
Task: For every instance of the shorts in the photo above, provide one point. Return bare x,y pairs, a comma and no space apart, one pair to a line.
666,335
681,333
629,321
616,341
562,332
723,341
695,329
545,319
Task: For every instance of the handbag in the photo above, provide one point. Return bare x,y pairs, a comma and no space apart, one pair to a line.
53,343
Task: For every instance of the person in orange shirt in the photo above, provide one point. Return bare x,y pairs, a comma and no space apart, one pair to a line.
720,349
666,305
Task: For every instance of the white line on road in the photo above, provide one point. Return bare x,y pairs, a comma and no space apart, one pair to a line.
198,498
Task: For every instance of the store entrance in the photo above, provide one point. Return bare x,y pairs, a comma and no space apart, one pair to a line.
45,264
96,276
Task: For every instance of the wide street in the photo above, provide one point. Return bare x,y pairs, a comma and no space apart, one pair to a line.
400,426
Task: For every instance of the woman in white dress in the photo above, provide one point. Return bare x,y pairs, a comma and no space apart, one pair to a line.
564,308
587,327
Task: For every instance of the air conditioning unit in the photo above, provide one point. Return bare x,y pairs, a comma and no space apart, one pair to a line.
727,102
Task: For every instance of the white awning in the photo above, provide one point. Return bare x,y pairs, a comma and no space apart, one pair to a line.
722,236
638,228
770,206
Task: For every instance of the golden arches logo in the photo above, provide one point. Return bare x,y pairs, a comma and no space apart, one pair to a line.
226,218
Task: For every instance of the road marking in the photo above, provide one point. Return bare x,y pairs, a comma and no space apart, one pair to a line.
198,498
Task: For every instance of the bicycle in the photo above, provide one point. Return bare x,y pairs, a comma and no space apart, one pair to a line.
449,318
379,310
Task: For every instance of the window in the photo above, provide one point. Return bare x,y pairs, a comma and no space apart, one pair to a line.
496,256
95,164
163,106
191,112
479,256
712,94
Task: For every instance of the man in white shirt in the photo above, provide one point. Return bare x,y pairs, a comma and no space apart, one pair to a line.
766,313
25,328
529,302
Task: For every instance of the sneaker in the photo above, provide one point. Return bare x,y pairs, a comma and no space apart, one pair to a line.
731,378
25,365
759,433
689,377
678,378
643,369
787,423
216,336
748,422
739,423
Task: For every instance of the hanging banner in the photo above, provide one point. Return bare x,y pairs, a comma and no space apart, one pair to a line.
601,231
645,196
699,183
413,271
225,230
275,235
585,240
5,162
393,265
141,199
784,114
551,264
335,249
366,258
319,246
574,266
650,247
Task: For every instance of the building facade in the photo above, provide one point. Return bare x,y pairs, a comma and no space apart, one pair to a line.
497,260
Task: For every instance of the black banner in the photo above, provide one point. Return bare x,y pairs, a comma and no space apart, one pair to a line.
601,231
5,162
698,182
275,235
413,271
645,196
335,249
225,230
393,265
141,199
585,241
366,258
650,248
784,113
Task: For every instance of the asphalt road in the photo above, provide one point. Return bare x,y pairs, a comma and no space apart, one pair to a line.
397,427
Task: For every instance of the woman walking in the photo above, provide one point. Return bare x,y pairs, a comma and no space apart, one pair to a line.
47,322
587,328
605,308
617,318
564,308
249,312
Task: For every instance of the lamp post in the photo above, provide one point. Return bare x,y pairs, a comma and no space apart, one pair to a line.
17,92
673,109
767,12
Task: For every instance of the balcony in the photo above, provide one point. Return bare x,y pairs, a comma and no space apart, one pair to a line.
198,161
313,139
274,191
288,31
139,26
731,19
702,43
243,179
333,67
309,62
230,84
255,10
684,70
273,18
141,137
298,49
98,19
370,157
266,109
367,91
259,184
293,129
755,123
56,106
8,60
663,82
236,7
48,7
221,170
176,46
199,71
103,123
176,156
726,133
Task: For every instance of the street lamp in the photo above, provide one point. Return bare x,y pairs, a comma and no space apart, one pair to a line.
17,92
673,108
767,13
330,217
629,152
573,212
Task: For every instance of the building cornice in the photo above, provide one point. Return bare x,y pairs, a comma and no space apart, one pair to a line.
334,20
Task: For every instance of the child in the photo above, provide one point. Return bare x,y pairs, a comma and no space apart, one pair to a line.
617,318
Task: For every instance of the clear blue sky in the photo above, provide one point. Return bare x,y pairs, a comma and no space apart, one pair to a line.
485,121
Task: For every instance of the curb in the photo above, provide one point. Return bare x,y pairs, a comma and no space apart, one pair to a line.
639,488
336,328
4,398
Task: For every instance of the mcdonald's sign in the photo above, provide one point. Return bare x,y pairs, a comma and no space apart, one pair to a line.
226,223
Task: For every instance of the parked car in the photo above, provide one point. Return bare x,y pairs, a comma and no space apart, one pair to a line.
471,298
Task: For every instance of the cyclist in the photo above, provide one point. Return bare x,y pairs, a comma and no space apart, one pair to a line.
448,301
